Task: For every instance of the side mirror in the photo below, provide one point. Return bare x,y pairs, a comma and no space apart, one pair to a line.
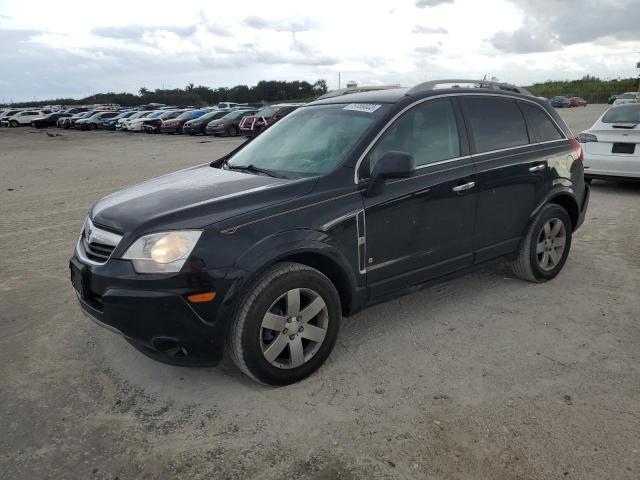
392,164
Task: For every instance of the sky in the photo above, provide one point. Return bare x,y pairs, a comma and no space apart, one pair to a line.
75,48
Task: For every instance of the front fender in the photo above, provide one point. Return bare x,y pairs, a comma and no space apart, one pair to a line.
281,246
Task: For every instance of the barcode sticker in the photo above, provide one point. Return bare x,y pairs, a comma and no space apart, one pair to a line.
363,107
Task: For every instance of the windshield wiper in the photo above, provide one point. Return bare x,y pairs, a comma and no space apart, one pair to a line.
254,169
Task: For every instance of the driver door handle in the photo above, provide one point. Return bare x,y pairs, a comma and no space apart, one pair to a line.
538,168
463,187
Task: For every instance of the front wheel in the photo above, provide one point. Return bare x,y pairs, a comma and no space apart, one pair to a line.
286,326
13,123
546,245
233,131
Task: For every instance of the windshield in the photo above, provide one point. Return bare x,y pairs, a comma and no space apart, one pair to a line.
210,115
188,115
166,115
311,140
237,114
624,114
156,114
268,112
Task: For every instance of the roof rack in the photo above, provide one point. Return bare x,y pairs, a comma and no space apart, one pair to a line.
431,85
348,90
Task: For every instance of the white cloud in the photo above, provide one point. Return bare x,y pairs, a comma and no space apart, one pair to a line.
48,51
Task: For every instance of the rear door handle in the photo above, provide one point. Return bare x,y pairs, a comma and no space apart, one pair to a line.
537,168
463,187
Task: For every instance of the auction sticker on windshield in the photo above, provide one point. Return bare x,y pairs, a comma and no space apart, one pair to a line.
363,107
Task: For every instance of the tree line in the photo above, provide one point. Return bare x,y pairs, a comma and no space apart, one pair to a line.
266,91
592,89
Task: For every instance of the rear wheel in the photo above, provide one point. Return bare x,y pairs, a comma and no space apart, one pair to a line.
546,245
286,326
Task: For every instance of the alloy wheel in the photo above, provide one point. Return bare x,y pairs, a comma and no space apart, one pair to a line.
294,328
551,244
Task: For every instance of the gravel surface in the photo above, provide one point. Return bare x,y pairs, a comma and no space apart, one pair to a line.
484,376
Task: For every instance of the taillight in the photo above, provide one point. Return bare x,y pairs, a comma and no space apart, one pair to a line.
578,148
586,137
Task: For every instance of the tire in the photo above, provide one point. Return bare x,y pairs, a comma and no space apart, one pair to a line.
535,261
249,342
233,131
13,124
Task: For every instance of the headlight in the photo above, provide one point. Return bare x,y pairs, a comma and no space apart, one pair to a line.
163,252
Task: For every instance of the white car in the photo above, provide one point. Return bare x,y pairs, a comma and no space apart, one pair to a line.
629,97
94,121
612,145
135,124
22,118
123,123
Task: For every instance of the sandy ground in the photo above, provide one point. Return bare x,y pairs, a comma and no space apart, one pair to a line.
484,376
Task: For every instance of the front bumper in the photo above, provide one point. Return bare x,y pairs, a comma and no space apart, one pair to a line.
153,312
193,129
215,130
171,129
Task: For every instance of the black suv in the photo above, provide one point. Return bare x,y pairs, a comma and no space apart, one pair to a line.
347,201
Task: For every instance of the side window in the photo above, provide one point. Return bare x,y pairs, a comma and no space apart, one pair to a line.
428,131
495,123
540,125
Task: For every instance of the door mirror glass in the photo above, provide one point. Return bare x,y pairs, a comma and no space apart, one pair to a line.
392,164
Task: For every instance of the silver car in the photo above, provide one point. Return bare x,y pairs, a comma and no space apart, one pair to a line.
629,97
612,145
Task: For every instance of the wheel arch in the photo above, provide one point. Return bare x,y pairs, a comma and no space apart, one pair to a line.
568,202
564,197
306,247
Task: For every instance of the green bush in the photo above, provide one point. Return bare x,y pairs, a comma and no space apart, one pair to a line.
592,89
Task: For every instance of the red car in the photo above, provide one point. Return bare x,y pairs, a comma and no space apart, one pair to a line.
578,102
153,125
252,125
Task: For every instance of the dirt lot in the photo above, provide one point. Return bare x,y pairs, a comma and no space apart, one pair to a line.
484,376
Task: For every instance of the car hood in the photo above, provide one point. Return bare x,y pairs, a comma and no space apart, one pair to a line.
192,198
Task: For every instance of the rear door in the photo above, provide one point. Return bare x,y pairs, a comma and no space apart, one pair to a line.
421,227
512,168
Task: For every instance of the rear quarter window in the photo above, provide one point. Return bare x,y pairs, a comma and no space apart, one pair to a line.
495,123
540,125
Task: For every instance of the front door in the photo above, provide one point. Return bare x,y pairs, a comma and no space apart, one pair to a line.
421,227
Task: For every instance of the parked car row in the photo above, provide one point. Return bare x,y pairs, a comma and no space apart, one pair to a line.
561,101
226,118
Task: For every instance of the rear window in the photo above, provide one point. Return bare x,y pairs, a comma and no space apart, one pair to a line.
540,125
628,95
495,123
269,112
623,114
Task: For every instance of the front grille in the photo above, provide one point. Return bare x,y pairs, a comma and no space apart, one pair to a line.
98,252
96,244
